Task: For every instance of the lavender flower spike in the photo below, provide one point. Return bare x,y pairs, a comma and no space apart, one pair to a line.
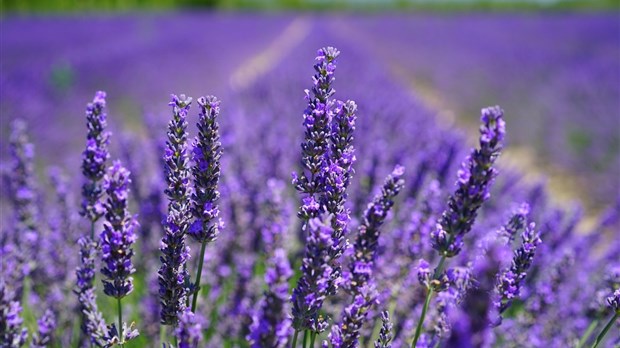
358,282
118,234
93,325
173,273
207,151
11,332
510,280
23,196
473,186
47,325
367,239
94,158
270,325
189,331
315,147
385,335
313,286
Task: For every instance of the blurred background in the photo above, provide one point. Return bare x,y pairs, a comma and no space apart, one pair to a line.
553,65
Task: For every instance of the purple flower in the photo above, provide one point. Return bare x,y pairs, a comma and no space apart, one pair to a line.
26,235
613,301
359,282
207,151
93,325
173,274
94,157
516,223
424,273
271,326
327,157
11,332
47,325
189,330
347,333
317,118
316,281
118,234
385,334
473,186
510,280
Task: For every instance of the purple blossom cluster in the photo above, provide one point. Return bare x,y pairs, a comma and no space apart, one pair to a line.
367,261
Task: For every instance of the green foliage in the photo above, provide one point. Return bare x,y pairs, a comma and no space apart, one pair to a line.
55,6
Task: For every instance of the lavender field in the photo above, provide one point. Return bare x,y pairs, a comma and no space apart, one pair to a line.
200,179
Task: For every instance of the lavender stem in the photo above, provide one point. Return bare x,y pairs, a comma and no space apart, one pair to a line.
120,323
429,294
588,333
601,336
198,275
295,339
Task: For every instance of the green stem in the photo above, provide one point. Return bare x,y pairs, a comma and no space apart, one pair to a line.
305,338
601,336
120,323
312,338
418,329
198,274
162,335
92,231
429,295
588,333
295,339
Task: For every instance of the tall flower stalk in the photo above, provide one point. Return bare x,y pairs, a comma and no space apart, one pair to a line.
173,275
327,158
473,188
22,182
117,239
94,160
358,281
207,151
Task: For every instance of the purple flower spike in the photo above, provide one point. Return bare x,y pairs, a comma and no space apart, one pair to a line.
94,157
271,326
207,151
24,199
173,273
327,159
510,280
316,279
12,332
473,186
118,234
189,331
93,325
613,301
516,223
47,325
359,283
347,333
385,335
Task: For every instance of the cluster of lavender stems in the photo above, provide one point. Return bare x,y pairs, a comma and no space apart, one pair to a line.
193,210
207,151
327,159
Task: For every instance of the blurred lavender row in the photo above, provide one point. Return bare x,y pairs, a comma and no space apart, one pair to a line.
556,74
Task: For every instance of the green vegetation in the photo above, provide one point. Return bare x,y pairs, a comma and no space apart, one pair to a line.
60,6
